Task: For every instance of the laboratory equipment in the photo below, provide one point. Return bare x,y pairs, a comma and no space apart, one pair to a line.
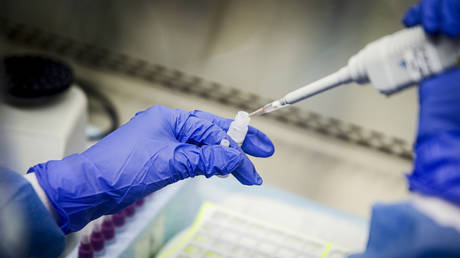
164,216
130,211
140,203
108,230
35,79
97,239
237,131
119,220
29,135
222,232
144,233
390,64
85,250
43,116
239,127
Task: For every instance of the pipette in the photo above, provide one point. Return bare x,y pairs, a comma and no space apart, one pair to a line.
326,83
390,64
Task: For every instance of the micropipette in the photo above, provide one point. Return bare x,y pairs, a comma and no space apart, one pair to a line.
390,64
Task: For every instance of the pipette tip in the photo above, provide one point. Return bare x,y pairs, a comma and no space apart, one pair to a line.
259,111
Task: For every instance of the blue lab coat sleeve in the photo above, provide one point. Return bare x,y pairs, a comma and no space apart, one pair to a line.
27,229
400,230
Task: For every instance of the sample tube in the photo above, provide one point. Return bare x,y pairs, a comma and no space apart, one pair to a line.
140,203
85,250
130,211
119,222
97,240
239,127
108,230
237,131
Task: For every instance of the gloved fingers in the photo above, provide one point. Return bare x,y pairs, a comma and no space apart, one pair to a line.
256,143
207,160
451,18
431,16
210,160
412,16
200,131
246,173
220,160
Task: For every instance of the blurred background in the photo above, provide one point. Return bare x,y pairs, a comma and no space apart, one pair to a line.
224,56
266,47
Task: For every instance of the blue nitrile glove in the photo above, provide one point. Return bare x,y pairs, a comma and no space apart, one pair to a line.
437,162
401,231
157,147
436,16
437,149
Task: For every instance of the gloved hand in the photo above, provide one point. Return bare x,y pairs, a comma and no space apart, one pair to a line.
401,230
436,16
157,147
437,149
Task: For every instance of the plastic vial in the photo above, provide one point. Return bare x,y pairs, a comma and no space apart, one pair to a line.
237,131
119,222
108,230
130,211
140,203
239,127
85,250
97,240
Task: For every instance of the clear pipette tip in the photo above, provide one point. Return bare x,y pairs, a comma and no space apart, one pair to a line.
275,105
259,111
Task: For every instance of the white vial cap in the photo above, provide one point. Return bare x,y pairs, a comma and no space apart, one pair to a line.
238,128
96,226
242,119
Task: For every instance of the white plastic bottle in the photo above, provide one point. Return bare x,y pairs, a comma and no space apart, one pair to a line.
237,130
239,127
